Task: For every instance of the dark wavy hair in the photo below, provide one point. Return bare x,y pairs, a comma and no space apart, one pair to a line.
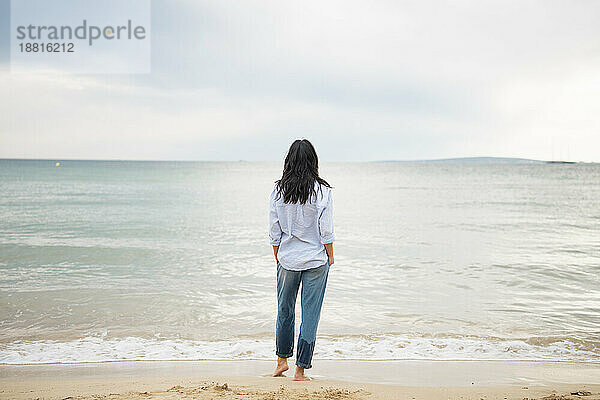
300,172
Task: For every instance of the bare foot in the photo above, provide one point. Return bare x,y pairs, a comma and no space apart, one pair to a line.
282,366
299,375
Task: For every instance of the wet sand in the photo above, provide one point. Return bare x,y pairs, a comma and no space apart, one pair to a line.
348,379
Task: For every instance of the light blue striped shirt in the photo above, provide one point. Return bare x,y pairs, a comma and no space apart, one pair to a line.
301,230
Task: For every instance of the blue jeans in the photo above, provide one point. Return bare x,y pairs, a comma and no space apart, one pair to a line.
313,281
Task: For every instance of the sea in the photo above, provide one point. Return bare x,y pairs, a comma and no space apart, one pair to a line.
143,260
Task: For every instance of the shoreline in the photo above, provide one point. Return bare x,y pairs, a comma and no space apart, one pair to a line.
332,379
291,362
380,347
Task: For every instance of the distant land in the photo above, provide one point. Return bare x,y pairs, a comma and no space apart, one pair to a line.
502,160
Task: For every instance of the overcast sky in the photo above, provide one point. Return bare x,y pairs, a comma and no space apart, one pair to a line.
364,80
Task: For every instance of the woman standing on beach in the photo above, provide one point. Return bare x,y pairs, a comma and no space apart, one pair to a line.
301,233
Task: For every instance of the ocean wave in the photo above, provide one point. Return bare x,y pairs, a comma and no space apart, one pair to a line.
381,347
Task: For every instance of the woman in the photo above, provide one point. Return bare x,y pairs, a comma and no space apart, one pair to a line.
301,233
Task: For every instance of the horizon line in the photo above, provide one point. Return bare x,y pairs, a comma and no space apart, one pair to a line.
472,158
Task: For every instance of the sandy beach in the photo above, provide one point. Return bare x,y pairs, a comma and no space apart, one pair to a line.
331,380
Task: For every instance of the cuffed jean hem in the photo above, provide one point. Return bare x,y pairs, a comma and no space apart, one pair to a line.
284,356
302,365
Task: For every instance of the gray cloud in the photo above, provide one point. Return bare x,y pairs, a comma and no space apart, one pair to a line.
366,80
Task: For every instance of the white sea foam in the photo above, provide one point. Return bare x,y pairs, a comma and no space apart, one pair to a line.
390,347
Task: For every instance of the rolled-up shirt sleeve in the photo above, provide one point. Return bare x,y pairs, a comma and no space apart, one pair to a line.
274,226
326,221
